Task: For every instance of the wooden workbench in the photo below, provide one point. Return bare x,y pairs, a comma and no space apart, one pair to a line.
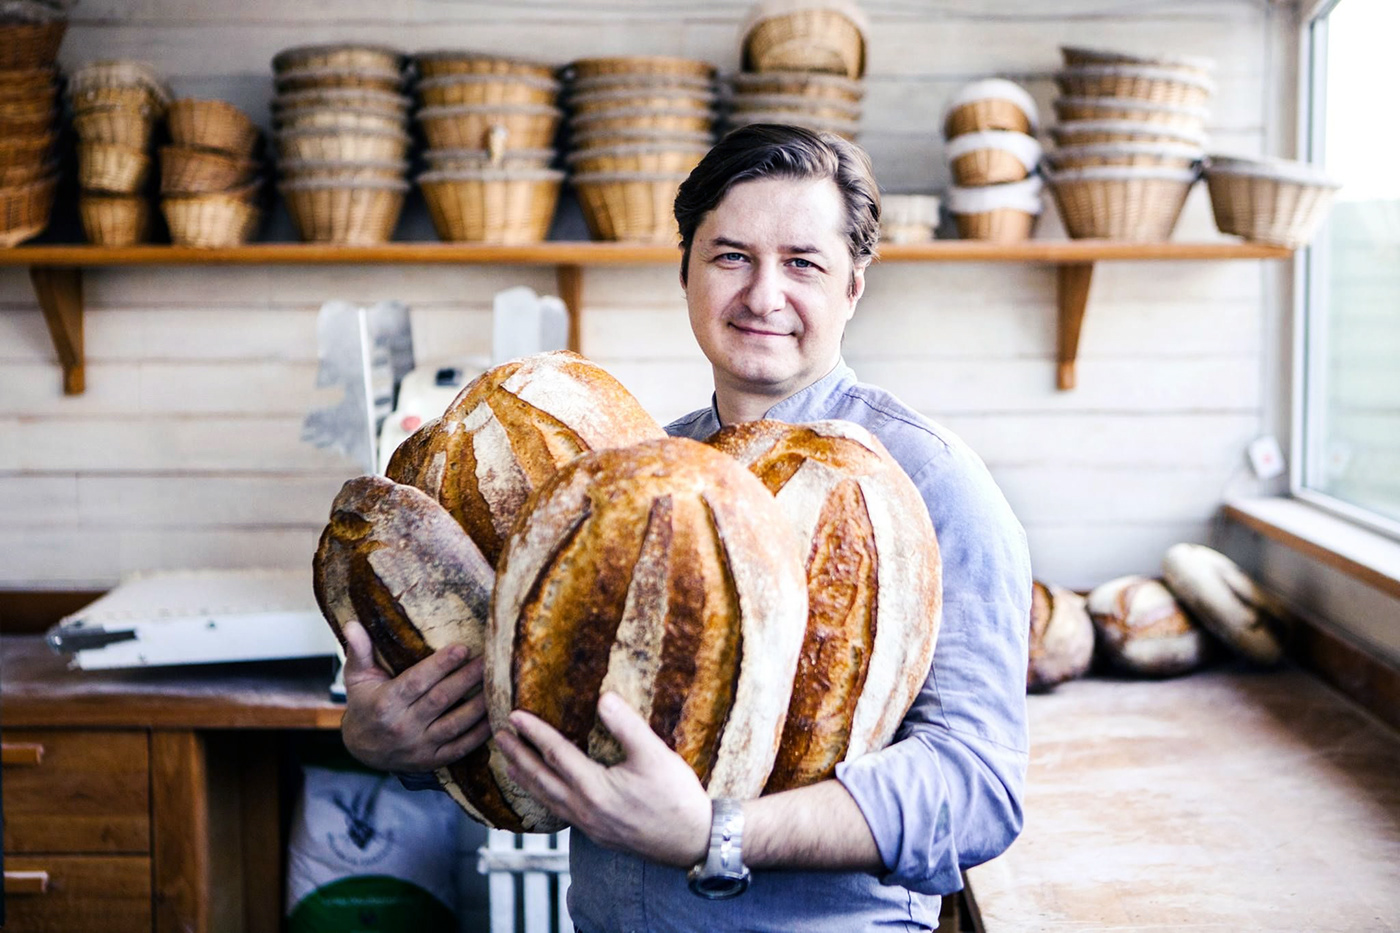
148,799
1225,801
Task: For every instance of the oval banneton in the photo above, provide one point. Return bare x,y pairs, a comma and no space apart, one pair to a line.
393,558
507,433
874,587
665,572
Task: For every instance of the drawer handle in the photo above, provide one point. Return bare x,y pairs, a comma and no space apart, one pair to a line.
26,882
21,753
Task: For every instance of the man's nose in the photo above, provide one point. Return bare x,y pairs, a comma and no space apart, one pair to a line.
765,293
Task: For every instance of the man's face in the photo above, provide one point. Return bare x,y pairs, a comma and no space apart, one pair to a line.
769,287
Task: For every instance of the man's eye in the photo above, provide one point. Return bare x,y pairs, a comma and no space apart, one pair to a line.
801,263
732,257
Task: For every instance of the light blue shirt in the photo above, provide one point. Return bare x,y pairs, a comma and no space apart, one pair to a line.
946,794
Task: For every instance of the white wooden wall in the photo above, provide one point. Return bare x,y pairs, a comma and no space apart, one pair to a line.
185,450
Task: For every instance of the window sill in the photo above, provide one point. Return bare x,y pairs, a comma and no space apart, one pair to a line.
1358,552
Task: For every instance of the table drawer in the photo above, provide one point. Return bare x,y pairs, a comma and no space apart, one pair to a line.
67,893
76,791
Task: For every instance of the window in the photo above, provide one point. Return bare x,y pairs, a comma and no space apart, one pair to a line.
1347,428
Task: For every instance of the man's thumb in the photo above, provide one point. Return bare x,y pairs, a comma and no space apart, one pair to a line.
627,726
359,651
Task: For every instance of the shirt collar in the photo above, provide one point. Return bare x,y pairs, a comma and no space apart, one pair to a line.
813,402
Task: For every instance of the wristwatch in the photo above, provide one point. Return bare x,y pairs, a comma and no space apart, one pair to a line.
722,873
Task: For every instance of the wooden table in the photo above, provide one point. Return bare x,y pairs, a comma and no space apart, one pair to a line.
1224,801
151,798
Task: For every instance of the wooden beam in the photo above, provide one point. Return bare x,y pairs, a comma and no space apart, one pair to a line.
180,836
60,293
1073,298
571,292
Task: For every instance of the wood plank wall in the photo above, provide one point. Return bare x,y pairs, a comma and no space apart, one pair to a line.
185,449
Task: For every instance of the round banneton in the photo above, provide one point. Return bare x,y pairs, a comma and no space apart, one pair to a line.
909,209
1129,104
1025,148
454,110
341,97
1070,129
996,89
1144,72
1123,173
337,56
847,128
1079,55
620,82
1019,195
314,184
492,174
543,84
1304,173
1110,150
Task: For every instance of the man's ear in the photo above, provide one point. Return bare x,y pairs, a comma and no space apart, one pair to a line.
857,286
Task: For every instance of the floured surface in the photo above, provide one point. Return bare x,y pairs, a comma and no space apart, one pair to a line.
1221,801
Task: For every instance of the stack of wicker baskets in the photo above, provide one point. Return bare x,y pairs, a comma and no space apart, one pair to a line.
208,174
803,65
342,140
116,105
1130,141
1274,201
490,124
993,156
29,38
638,126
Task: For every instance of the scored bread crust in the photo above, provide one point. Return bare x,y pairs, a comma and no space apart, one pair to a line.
663,571
1061,637
394,560
509,431
874,587
1143,629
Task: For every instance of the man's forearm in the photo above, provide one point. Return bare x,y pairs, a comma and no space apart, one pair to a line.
817,827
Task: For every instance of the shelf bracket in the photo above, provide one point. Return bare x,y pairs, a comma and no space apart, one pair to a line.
570,279
60,293
1073,298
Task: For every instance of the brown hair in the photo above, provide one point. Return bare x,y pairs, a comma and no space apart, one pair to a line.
770,150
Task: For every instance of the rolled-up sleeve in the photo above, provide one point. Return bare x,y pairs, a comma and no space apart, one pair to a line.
946,794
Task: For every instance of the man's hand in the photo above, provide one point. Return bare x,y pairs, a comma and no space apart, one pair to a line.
412,722
650,803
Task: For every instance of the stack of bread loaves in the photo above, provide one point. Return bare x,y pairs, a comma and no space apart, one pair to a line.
1130,139
546,523
209,174
342,140
490,124
993,155
638,126
804,65
30,34
116,105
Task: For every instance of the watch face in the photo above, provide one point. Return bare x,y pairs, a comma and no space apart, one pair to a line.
718,887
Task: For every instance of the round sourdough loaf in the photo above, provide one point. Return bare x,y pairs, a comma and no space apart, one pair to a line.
1143,630
1220,596
509,431
394,559
1062,637
874,587
665,572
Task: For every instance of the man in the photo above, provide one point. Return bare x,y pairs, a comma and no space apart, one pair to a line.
778,226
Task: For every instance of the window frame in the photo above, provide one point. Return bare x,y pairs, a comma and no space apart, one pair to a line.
1311,275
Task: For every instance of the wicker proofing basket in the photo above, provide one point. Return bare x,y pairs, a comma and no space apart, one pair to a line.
672,121
303,170
326,119
823,39
112,169
343,145
362,213
800,84
185,170
992,158
210,221
25,173
484,90
632,206
605,138
440,63
1076,56
472,127
387,81
1105,132
993,104
1121,203
1001,225
1269,201
25,104
473,160
1003,213
139,99
284,105
846,129
1154,155
1189,119
652,159
25,150
343,56
821,109
120,73
25,210
1177,87
34,125
120,126
115,220
211,124
26,82
597,102
501,206
644,81
30,45
588,68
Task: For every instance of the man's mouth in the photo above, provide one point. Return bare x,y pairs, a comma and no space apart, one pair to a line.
757,332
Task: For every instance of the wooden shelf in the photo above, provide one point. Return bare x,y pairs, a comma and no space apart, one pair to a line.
56,271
